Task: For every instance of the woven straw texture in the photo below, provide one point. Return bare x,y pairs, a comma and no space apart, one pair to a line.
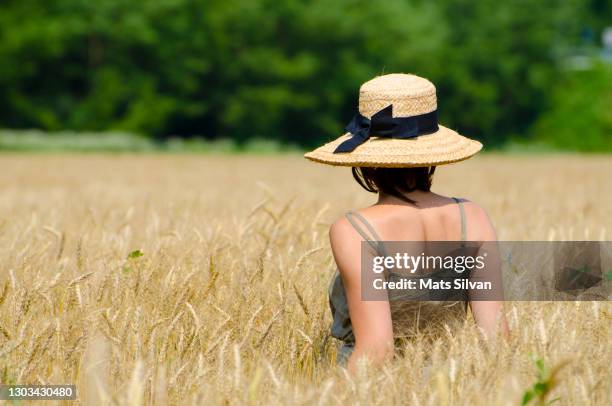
410,95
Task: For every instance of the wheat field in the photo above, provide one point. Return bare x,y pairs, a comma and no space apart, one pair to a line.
197,279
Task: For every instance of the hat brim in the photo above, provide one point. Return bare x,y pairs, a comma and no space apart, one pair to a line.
442,147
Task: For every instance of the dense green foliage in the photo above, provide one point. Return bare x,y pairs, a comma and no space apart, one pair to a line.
586,99
289,70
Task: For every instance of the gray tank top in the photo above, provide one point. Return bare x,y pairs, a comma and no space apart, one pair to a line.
341,325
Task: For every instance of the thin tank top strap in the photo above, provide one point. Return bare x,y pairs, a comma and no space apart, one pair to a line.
372,237
370,227
463,234
463,219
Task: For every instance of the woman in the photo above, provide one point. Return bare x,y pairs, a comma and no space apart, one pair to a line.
393,145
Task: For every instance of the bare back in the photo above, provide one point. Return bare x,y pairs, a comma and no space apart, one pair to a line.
432,218
366,326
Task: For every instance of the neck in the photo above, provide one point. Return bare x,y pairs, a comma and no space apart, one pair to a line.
415,195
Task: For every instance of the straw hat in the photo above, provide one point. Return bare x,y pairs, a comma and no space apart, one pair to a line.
396,127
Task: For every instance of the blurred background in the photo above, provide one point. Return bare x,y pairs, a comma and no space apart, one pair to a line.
269,75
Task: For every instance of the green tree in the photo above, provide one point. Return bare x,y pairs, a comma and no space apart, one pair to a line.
580,117
286,70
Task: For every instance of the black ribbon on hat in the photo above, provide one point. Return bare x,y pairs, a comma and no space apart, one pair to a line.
383,124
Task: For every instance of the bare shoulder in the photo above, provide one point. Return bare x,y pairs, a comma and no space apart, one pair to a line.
346,245
480,226
342,233
339,228
476,210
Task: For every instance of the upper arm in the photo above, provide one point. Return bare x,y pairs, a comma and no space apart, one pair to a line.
479,225
371,320
488,314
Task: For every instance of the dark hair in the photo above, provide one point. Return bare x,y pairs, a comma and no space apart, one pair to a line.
394,181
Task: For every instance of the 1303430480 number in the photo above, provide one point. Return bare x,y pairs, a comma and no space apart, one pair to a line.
37,392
